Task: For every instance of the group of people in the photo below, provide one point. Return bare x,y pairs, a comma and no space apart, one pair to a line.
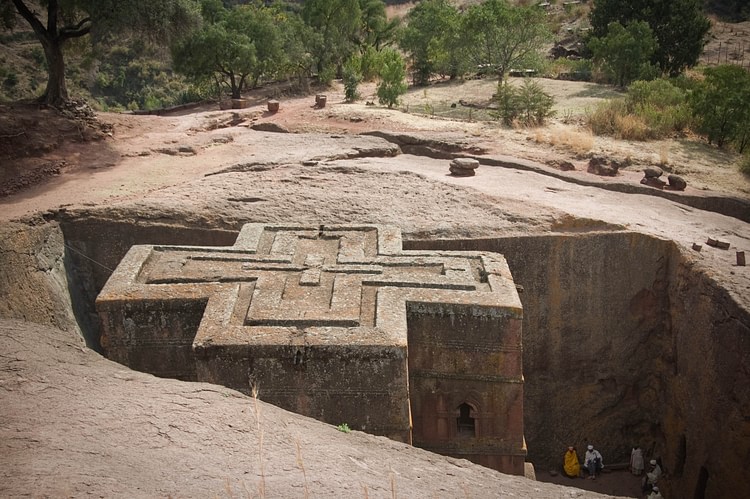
593,465
648,484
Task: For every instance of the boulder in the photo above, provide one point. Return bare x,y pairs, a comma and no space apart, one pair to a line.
462,172
653,182
464,167
561,164
651,172
467,163
268,126
603,166
676,183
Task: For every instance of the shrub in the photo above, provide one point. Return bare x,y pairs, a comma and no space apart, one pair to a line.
720,105
392,75
661,105
369,64
327,75
650,110
352,77
535,105
529,104
11,80
507,108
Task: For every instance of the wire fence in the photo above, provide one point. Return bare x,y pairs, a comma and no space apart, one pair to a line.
737,54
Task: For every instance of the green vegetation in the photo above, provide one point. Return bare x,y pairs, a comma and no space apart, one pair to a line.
650,110
678,26
133,76
392,76
721,106
146,55
493,35
527,104
244,45
343,427
432,40
625,52
501,36
352,77
64,21
337,22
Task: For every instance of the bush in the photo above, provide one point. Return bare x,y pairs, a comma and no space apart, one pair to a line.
392,75
11,80
720,105
507,109
327,75
535,105
370,64
650,110
529,104
352,77
662,106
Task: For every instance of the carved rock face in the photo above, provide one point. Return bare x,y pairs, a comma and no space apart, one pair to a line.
329,320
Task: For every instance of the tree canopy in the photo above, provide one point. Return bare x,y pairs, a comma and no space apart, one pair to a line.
431,38
338,22
720,104
63,20
679,27
624,52
242,46
501,35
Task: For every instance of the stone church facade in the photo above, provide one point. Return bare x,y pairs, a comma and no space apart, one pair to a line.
338,323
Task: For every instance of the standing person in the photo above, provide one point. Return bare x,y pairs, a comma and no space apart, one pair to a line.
636,460
592,462
571,465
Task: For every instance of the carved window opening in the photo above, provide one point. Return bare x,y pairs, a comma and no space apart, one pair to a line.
298,358
465,421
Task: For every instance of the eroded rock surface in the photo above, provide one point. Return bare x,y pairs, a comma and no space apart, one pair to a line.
76,424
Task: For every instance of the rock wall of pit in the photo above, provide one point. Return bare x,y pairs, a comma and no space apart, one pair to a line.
625,341
33,276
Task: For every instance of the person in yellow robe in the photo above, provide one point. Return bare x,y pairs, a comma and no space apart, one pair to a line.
572,466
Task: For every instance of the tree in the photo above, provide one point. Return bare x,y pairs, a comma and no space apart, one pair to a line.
243,47
392,75
63,20
501,35
430,39
216,51
720,105
679,27
337,22
624,52
297,38
375,28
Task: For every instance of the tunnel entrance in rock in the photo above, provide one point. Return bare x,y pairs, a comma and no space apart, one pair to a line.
607,329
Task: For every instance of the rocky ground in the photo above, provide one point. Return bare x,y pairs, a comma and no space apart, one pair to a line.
129,434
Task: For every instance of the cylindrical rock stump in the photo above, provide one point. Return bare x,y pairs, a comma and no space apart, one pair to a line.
320,100
273,106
